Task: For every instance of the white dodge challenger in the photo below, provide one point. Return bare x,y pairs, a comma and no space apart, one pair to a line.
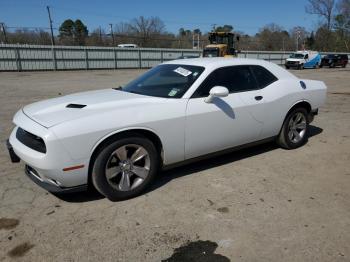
117,139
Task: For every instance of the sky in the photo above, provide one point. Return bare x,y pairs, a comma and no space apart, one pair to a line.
247,16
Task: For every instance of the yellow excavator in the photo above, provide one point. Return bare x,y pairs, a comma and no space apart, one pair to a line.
222,44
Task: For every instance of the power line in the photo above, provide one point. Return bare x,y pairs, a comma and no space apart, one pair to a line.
181,22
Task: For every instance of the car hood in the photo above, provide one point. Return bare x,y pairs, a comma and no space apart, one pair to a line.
54,111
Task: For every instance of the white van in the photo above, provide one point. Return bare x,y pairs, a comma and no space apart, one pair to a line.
128,46
303,59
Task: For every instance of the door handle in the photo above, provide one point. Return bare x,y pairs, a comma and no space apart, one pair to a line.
258,98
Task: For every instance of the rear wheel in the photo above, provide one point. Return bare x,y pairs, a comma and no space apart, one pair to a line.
124,168
294,132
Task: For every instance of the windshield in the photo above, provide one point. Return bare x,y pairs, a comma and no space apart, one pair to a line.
212,52
330,56
295,55
167,80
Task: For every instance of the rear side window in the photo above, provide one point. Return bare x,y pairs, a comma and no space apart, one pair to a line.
234,78
263,76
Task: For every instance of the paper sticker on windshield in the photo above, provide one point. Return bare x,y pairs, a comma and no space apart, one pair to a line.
182,71
173,92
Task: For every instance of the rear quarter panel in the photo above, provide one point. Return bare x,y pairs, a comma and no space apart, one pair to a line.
282,95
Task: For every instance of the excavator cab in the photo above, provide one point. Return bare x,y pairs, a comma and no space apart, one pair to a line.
222,44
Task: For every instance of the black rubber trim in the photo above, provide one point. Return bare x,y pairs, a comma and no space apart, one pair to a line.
14,158
52,188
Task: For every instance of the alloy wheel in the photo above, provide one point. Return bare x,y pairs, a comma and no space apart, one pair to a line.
128,167
297,127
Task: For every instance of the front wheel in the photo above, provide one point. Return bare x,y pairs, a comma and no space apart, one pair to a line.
124,168
294,132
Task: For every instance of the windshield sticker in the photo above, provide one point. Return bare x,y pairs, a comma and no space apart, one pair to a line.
195,74
182,71
173,92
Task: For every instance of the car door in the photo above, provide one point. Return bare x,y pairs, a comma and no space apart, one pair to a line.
225,122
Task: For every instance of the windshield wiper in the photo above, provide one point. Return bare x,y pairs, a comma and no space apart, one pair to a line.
118,88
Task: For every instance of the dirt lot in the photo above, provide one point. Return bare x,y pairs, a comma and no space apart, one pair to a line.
259,204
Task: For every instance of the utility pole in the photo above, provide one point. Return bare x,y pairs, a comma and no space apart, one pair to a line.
198,41
2,27
112,34
298,36
100,31
50,20
192,40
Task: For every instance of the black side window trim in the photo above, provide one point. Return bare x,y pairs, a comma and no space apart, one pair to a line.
266,70
259,86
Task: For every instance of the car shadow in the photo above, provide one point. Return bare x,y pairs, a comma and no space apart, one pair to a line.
166,176
225,107
80,197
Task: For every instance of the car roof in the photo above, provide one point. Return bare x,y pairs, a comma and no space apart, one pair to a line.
212,63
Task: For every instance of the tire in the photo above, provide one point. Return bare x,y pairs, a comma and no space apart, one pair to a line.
288,141
343,66
287,67
321,65
116,161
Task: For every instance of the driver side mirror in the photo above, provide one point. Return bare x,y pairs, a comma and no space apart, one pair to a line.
216,91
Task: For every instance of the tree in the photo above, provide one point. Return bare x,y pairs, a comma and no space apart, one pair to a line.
325,39
66,30
323,8
272,37
73,32
197,31
310,41
80,32
182,32
225,28
146,28
343,7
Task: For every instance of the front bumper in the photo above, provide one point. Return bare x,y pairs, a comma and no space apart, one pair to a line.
34,176
52,186
53,168
292,65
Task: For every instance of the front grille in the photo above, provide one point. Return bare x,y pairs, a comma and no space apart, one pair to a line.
292,62
30,140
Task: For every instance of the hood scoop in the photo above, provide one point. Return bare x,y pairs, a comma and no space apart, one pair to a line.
78,106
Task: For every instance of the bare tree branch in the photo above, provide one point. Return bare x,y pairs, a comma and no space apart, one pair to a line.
323,8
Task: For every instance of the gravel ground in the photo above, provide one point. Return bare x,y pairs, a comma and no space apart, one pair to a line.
258,204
